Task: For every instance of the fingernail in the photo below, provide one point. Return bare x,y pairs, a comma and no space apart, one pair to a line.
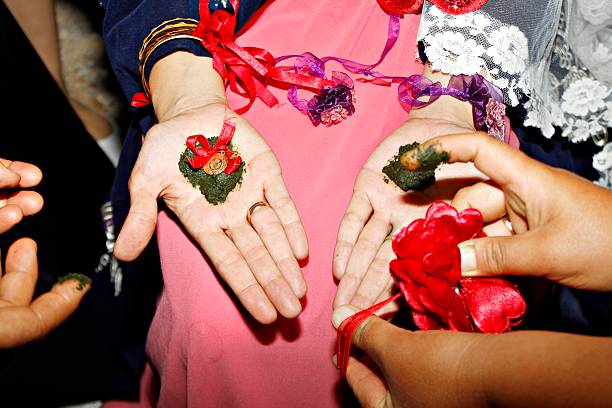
342,313
81,279
335,360
468,259
410,159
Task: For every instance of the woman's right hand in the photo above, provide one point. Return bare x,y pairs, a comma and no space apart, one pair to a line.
258,260
562,222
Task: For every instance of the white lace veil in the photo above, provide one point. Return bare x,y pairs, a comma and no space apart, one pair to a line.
555,56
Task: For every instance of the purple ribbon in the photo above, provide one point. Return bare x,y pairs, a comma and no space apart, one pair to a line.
488,109
337,101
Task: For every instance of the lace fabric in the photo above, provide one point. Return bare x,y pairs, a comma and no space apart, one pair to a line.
553,56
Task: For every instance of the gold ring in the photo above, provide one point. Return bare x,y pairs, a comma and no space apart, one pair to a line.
253,208
508,223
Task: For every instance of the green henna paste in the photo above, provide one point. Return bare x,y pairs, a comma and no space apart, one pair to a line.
214,188
424,175
82,279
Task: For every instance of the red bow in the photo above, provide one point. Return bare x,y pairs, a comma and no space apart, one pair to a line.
204,153
428,272
401,7
246,70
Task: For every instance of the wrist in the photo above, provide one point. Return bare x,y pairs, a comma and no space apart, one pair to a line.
446,108
473,371
182,82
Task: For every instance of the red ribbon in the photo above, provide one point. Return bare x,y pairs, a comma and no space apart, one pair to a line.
347,329
245,70
205,152
140,99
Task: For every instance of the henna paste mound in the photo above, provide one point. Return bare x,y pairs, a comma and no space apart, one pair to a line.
416,171
215,188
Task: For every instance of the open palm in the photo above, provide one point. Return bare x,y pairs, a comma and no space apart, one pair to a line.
259,260
379,208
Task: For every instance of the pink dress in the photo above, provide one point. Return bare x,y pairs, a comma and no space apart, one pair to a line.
206,351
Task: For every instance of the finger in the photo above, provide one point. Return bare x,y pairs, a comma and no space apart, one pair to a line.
139,225
485,196
270,230
8,178
497,229
356,216
30,202
495,159
29,173
53,307
369,388
17,285
232,267
389,309
279,199
9,216
524,254
376,279
363,253
374,336
267,274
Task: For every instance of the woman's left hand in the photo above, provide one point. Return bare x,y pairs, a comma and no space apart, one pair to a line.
379,208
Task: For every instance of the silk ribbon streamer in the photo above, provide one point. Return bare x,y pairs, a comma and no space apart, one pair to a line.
246,70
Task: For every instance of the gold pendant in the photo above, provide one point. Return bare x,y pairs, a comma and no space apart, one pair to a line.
216,164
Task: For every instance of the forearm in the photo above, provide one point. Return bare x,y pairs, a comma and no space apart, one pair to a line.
37,20
537,369
181,82
127,23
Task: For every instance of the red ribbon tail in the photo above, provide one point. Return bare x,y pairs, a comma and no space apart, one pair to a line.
227,132
232,165
348,327
264,94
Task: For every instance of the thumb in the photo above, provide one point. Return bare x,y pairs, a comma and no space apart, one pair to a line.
139,225
522,254
372,336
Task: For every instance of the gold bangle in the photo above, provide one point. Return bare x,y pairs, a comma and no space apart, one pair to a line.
168,30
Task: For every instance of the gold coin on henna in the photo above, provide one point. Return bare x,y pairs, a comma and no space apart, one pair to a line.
216,164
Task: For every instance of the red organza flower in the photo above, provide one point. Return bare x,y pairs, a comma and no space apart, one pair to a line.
401,7
428,272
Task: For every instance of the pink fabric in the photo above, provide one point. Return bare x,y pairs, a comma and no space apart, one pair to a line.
207,352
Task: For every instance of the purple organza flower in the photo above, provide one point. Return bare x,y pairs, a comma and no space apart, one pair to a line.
496,111
332,105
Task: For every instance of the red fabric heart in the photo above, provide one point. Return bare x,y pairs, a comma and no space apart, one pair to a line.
459,6
428,272
495,305
401,7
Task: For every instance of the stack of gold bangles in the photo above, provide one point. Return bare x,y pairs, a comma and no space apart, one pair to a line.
166,31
